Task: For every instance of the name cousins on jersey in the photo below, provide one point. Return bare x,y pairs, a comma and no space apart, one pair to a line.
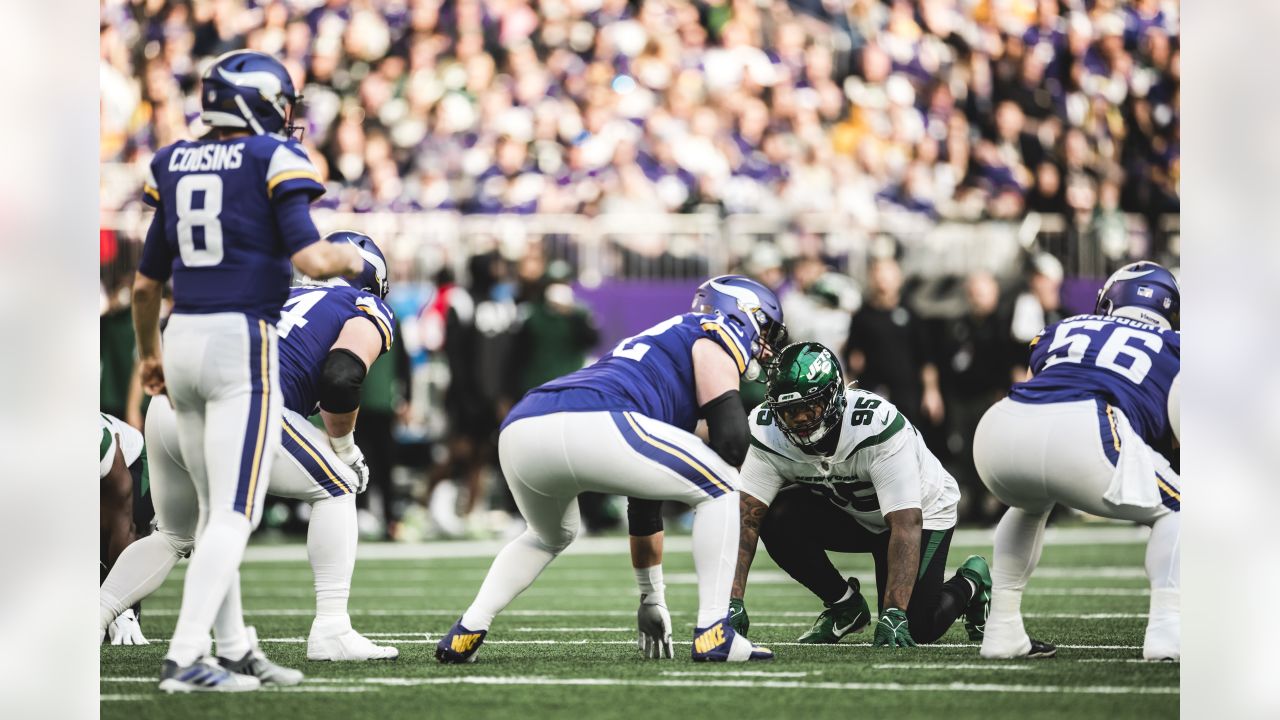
211,157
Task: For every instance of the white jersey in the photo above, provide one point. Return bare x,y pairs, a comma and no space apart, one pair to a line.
880,465
130,443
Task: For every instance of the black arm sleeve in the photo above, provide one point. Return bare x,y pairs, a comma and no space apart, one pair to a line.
727,426
340,381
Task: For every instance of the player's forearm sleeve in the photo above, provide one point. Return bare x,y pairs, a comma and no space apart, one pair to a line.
157,257
293,217
727,427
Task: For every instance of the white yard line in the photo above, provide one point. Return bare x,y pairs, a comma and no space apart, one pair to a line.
426,639
951,666
1093,535
730,673
117,697
702,681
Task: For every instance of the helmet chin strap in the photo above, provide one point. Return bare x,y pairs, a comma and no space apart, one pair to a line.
753,370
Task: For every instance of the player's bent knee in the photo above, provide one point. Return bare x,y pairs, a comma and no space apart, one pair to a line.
179,544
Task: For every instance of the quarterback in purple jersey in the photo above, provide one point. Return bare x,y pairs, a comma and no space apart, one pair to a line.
330,334
231,215
1091,430
623,426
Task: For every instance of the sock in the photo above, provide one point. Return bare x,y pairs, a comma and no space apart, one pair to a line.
514,569
1163,555
138,572
715,552
1018,543
214,564
650,582
228,626
332,534
1163,570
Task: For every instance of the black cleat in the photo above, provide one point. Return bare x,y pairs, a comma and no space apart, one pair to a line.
1041,650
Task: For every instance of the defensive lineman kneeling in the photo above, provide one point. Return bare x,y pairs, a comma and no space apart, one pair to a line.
838,468
1091,431
329,335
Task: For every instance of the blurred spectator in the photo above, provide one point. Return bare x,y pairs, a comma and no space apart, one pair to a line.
382,396
1040,303
951,109
977,361
819,303
480,325
886,350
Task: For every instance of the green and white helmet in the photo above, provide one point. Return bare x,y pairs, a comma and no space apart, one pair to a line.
806,393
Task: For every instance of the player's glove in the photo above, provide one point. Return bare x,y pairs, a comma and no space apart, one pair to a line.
892,630
738,619
125,630
654,623
347,451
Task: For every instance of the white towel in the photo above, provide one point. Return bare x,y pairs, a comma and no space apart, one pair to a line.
1134,482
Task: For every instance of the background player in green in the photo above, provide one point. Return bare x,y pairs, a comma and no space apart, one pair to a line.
838,468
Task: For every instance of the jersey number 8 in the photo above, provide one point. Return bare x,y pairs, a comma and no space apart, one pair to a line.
204,217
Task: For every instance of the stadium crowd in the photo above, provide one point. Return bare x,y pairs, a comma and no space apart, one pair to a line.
873,108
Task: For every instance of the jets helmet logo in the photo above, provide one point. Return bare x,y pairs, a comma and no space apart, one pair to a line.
820,366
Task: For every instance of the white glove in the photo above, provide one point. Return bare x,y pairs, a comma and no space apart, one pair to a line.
347,451
654,624
125,630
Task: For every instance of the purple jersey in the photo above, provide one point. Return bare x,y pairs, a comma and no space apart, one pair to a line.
650,374
309,325
216,202
1124,362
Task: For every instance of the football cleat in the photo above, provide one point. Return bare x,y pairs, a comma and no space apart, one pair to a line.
720,643
842,618
975,570
347,646
1041,650
255,664
204,675
459,645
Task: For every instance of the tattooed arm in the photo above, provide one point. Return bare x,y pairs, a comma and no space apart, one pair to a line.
753,512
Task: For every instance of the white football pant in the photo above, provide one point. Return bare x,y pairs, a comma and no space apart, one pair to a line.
549,460
1033,456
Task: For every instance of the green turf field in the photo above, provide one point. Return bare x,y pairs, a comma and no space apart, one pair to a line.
566,648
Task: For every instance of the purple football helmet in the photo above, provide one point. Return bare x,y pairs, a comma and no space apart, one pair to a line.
749,309
1142,291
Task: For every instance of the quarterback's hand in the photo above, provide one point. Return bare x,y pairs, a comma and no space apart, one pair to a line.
892,630
349,453
151,374
125,630
654,623
738,619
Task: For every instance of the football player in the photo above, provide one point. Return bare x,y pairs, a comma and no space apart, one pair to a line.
231,213
838,468
1090,430
624,426
329,337
122,467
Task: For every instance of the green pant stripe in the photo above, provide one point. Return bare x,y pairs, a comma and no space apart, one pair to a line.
935,539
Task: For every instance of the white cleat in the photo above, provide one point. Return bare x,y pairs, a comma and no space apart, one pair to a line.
348,646
1164,627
